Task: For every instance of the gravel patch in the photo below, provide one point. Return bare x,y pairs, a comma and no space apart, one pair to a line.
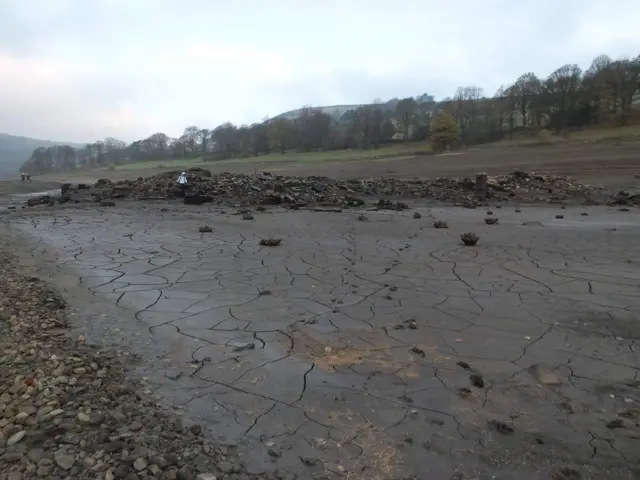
68,411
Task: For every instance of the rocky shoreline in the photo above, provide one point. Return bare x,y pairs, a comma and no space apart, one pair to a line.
69,411
297,192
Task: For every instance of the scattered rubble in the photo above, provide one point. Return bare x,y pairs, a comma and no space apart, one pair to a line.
269,189
67,410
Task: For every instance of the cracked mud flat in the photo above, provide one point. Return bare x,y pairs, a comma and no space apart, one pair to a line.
375,349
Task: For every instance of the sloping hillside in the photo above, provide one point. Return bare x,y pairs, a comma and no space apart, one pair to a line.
336,111
14,151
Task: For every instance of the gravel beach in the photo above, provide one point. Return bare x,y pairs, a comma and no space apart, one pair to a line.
68,412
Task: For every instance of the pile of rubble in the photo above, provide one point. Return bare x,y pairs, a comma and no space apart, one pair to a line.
264,189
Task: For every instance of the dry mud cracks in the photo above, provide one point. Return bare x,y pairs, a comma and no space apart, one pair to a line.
373,349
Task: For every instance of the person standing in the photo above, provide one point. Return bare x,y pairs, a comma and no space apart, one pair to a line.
182,180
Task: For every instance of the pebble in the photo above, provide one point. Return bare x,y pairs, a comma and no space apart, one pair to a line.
16,437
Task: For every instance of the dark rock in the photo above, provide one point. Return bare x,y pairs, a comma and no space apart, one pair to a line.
194,199
476,380
501,427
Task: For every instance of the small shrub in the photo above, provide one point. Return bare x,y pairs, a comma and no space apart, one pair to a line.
440,224
491,220
112,166
469,239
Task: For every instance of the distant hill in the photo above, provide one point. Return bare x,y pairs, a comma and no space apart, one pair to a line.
14,151
336,111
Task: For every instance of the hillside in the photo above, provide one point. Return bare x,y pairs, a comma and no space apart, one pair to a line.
335,111
14,151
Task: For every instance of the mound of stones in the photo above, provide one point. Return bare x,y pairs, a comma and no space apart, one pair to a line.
268,189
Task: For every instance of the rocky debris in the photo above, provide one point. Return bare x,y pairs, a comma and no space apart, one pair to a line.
469,239
440,224
623,198
270,242
389,205
269,189
67,410
500,427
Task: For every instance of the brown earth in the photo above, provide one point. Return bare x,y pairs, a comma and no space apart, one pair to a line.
611,165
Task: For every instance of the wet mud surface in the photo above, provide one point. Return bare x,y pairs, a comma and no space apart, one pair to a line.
373,349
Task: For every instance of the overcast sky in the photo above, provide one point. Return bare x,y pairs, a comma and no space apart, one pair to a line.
81,70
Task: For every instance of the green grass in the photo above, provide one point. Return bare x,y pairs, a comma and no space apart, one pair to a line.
398,150
599,135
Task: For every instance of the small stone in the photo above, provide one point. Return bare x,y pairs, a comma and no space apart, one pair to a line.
140,464
64,461
135,426
16,437
83,417
544,375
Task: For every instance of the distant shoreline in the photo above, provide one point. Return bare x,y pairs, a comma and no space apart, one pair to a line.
17,187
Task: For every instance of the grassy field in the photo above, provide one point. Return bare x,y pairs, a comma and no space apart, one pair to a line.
596,136
399,150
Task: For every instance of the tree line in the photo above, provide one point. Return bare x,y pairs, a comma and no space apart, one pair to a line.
569,98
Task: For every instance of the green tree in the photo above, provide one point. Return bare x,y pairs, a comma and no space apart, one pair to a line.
280,134
444,132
